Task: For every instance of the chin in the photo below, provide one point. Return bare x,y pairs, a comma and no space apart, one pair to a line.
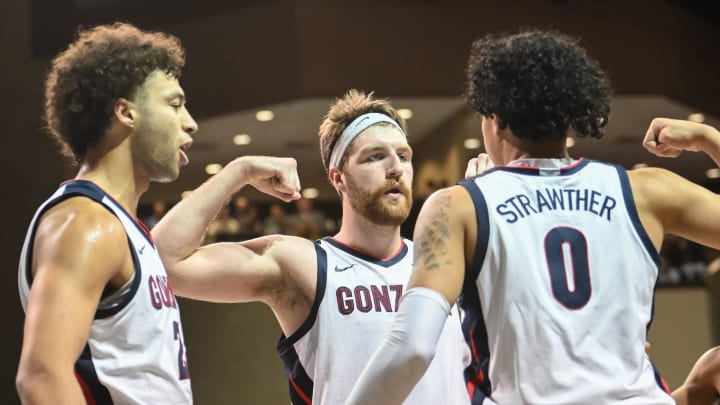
394,216
167,177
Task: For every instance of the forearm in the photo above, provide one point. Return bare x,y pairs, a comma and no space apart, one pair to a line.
401,360
181,230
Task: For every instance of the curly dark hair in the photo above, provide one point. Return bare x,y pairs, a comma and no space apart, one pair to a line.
352,105
540,84
104,63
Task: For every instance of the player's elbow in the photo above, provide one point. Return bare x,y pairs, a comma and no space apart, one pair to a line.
29,385
37,382
419,354
22,385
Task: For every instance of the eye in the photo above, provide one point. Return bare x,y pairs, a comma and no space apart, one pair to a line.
405,155
376,157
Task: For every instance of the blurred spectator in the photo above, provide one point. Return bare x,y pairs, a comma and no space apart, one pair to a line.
670,259
277,222
224,228
309,222
159,208
246,216
694,263
684,263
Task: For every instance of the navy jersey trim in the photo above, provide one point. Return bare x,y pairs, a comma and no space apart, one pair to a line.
85,370
93,191
635,217
374,260
82,188
483,230
137,277
300,385
477,373
473,324
660,380
31,242
642,233
286,343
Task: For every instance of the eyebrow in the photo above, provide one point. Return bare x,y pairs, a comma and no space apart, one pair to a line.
175,94
405,149
382,148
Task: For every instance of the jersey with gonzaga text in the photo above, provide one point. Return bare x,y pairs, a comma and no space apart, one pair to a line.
560,291
355,304
135,353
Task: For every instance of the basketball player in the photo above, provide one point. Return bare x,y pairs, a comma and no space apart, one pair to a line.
669,138
102,325
555,259
335,298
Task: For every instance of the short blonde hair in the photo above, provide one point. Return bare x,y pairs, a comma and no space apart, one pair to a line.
352,105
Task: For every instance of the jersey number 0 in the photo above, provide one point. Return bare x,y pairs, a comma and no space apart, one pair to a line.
561,244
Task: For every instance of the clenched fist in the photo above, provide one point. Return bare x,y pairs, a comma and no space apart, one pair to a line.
274,176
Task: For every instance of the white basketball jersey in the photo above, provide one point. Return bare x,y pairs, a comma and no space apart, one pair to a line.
560,292
135,353
355,304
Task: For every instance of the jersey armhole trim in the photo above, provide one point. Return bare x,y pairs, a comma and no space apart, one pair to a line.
137,277
286,343
483,230
635,217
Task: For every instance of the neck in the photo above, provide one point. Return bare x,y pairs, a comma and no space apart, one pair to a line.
114,172
356,231
517,148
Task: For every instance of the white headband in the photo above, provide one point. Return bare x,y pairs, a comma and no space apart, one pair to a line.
357,125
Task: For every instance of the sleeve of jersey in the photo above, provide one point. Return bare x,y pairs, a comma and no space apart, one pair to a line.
401,360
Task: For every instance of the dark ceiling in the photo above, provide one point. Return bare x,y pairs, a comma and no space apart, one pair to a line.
245,55
55,21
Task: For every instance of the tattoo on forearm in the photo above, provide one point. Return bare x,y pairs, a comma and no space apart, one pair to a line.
431,249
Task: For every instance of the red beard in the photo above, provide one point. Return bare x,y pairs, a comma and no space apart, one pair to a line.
377,207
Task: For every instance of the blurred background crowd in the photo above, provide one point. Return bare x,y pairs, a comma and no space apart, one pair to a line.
684,263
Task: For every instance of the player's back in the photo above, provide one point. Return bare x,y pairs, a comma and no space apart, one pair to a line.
563,280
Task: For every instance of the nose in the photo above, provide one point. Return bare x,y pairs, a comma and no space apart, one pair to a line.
189,125
395,171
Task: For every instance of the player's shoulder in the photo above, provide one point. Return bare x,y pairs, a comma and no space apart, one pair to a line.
650,174
457,194
454,201
80,236
291,253
82,220
446,209
660,186
702,382
709,362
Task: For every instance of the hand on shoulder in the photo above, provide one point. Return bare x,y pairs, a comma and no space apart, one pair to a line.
478,165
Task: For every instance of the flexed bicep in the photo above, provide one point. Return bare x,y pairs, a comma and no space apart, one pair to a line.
225,272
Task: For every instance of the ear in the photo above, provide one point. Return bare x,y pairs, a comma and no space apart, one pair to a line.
494,125
124,111
337,180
